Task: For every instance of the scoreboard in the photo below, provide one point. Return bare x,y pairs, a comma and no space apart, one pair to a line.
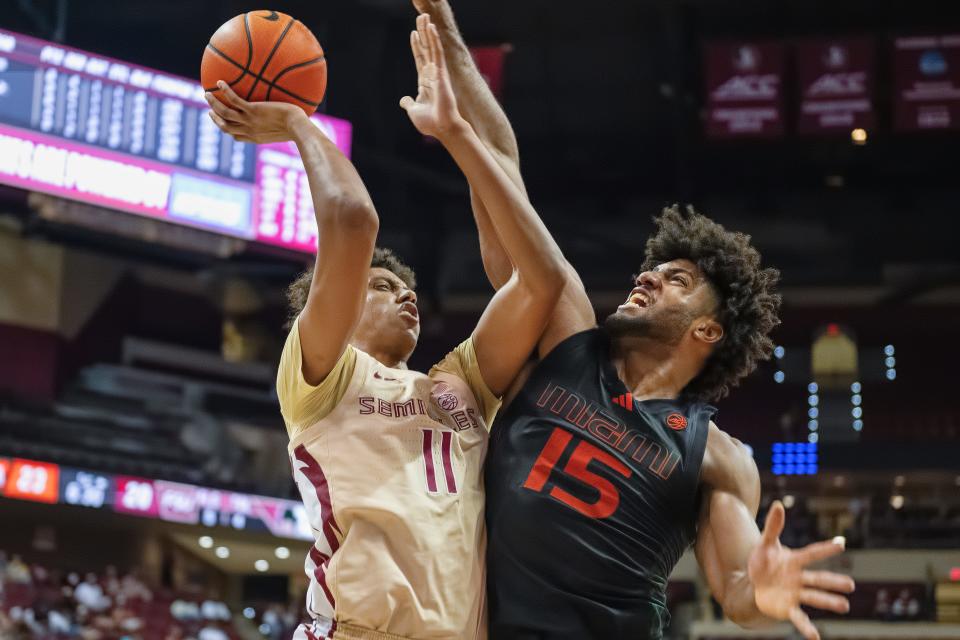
97,130
170,501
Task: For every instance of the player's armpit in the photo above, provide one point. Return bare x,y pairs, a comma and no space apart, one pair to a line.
573,314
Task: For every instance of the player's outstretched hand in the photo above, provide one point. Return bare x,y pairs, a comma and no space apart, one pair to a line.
257,122
782,582
434,112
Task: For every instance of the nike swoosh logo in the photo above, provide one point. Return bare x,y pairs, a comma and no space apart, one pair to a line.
376,374
273,17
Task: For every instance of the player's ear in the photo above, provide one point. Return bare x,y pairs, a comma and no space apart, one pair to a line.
708,330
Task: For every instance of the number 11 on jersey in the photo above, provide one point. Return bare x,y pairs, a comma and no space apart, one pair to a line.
446,460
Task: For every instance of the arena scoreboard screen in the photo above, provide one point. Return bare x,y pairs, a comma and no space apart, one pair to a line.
50,483
89,128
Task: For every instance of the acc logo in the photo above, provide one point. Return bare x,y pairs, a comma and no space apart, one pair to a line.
676,422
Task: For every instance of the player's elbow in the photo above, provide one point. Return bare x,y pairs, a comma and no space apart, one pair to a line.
550,276
349,213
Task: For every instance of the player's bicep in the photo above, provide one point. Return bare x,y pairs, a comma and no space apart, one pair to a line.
508,331
337,294
726,534
573,314
727,529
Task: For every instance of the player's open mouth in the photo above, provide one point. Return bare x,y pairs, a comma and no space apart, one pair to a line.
640,299
410,309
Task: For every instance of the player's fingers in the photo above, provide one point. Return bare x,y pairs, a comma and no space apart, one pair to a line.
829,581
406,103
417,50
223,125
433,39
824,600
802,622
773,526
818,551
422,20
221,109
231,98
436,45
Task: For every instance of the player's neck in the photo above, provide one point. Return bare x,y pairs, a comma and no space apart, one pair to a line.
389,361
651,369
385,357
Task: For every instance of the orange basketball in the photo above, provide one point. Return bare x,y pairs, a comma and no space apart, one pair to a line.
266,56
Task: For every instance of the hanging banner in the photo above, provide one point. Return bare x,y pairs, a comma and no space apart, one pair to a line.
836,85
744,89
490,62
927,83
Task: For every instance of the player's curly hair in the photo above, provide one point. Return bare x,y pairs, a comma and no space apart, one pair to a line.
382,257
749,305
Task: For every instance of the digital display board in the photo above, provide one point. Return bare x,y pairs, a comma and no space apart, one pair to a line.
168,501
97,130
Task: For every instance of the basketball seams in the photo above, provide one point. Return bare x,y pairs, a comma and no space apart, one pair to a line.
276,45
270,83
243,70
246,27
275,83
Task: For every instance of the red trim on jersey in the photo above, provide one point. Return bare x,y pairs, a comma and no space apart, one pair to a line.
445,441
315,475
320,574
428,460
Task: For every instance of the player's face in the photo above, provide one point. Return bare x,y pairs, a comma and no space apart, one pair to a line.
391,321
665,303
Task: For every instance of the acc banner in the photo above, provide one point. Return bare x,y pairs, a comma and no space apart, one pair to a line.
744,89
927,81
836,84
490,61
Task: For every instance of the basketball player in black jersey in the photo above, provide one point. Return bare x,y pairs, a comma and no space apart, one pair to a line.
606,465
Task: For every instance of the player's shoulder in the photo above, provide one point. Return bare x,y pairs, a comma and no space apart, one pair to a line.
727,461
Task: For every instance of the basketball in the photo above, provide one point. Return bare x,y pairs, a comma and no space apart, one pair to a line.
266,56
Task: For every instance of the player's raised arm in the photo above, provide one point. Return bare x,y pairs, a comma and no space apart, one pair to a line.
346,220
754,578
514,320
480,108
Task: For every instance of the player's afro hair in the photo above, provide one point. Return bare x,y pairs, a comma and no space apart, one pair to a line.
383,258
748,302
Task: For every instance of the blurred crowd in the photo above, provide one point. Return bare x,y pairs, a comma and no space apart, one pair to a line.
37,602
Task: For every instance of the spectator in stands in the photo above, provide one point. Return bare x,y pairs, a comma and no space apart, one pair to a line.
213,631
212,609
905,607
17,571
111,581
184,610
60,621
881,606
132,588
90,594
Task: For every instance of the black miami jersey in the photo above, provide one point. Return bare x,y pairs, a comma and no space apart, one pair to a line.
591,500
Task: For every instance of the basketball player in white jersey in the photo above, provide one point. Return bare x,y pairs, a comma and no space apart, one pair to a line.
388,460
